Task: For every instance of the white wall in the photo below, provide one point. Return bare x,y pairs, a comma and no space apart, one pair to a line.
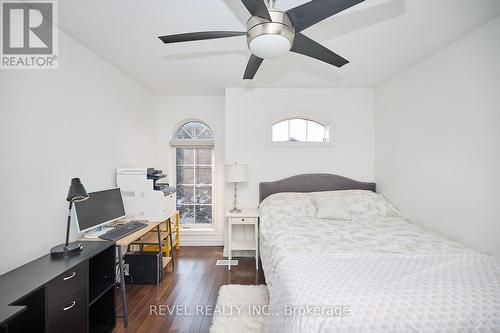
251,112
172,111
82,120
438,136
240,121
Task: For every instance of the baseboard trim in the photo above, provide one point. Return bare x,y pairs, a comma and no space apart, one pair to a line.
202,242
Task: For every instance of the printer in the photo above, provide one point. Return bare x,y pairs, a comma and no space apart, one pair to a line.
144,197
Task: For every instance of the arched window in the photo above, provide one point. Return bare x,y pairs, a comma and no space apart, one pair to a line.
300,130
194,130
194,169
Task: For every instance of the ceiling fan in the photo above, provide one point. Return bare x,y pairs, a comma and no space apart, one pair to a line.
272,32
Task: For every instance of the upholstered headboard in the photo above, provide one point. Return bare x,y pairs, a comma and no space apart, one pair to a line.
312,182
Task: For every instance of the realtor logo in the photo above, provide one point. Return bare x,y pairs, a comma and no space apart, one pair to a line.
29,34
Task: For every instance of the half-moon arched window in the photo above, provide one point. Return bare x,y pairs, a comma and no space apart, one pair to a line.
300,130
194,130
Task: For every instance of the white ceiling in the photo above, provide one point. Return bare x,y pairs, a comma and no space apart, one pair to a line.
379,37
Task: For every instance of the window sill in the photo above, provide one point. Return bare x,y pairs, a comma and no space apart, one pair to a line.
288,144
198,230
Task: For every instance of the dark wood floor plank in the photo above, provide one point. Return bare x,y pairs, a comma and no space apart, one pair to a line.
195,299
179,281
203,300
212,299
195,280
189,285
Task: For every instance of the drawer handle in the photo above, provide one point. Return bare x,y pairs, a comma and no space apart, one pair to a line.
243,220
69,306
70,277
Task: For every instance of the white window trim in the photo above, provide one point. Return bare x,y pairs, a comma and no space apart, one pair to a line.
291,144
196,229
194,226
184,142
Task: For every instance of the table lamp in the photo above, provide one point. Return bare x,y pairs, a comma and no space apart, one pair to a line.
76,193
236,173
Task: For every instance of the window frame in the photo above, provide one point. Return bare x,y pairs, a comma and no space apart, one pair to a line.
198,226
193,143
327,126
174,142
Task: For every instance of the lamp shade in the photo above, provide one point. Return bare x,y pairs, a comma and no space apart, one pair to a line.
236,173
76,191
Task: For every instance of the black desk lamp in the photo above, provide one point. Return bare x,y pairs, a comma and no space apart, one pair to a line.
76,193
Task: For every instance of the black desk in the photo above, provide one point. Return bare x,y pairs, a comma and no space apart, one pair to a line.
75,294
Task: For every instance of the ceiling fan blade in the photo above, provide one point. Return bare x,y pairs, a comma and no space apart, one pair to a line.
253,65
306,46
192,36
257,8
314,11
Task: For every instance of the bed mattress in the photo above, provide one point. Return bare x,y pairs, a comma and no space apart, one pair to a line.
376,273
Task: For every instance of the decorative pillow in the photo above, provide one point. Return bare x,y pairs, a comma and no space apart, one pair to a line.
288,205
331,207
365,205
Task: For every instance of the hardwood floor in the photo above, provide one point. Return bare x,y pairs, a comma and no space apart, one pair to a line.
195,280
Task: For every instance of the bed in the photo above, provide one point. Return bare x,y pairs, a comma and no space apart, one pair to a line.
375,271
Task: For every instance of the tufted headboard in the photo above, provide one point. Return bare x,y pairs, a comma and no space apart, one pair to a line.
312,182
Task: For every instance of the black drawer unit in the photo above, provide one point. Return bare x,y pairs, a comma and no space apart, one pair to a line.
70,316
68,283
52,294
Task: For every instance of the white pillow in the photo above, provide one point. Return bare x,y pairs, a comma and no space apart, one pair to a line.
288,204
365,205
331,207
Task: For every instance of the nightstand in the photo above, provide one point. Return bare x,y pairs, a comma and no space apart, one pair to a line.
247,216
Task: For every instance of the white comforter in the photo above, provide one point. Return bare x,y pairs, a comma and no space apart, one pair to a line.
376,273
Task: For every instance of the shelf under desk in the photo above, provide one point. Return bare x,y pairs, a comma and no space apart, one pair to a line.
151,238
153,234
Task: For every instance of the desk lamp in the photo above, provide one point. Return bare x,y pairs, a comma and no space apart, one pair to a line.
236,173
76,193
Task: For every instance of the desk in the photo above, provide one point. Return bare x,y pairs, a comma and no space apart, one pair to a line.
127,241
74,294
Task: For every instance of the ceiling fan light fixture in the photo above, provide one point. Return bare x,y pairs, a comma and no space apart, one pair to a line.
272,32
270,39
270,46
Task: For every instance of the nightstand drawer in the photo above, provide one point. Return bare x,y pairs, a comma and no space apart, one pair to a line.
243,220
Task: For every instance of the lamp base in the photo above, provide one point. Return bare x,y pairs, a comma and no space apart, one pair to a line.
62,251
235,210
